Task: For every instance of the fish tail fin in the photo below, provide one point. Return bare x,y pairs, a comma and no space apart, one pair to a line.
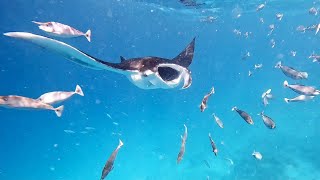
88,35
285,84
79,90
278,65
314,60
185,128
286,100
59,110
262,113
234,108
120,144
212,90
304,74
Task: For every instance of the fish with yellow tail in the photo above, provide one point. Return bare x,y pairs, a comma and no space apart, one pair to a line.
59,96
302,89
183,144
213,145
205,99
300,98
291,72
218,120
62,30
109,164
20,102
267,121
245,116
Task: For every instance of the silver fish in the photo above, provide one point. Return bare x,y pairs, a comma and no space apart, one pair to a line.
68,131
313,11
90,128
291,72
293,53
268,121
257,155
208,19
218,121
261,6
246,34
13,101
266,96
301,29
244,57
62,30
59,96
244,115
237,32
279,16
314,57
183,144
272,43
299,98
204,101
257,66
271,27
109,164
213,145
302,89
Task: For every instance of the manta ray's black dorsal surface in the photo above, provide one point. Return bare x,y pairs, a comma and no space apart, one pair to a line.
145,72
146,63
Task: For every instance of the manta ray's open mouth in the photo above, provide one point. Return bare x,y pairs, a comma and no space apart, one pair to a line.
173,75
168,73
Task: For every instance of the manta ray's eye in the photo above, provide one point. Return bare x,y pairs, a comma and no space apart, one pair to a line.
5,98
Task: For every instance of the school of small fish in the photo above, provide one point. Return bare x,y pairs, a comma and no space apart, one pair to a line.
305,92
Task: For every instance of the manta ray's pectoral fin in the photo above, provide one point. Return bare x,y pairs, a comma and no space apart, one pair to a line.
69,52
185,57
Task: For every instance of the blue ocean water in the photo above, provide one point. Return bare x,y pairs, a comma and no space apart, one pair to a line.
35,145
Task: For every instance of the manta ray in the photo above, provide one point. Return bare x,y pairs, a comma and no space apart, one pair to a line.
144,72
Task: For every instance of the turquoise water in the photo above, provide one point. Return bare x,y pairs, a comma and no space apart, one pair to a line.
35,145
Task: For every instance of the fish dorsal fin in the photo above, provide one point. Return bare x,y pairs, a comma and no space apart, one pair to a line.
185,57
122,59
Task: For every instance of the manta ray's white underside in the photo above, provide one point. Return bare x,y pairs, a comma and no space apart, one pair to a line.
145,80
